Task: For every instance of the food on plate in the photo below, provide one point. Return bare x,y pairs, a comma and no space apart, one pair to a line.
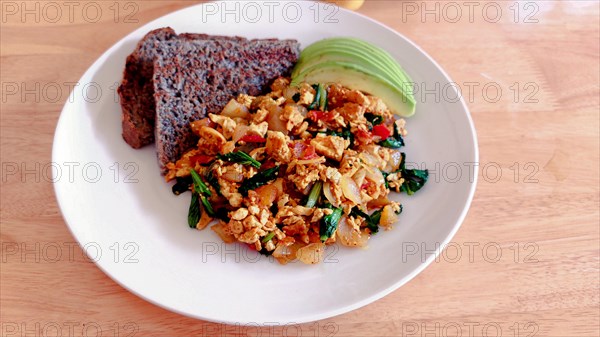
296,169
289,171
171,80
357,65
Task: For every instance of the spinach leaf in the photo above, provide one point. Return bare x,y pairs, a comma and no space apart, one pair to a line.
239,157
207,206
259,179
182,185
222,214
320,101
212,180
315,103
314,195
296,97
373,118
329,224
194,211
268,237
322,98
199,185
414,179
394,141
385,181
372,220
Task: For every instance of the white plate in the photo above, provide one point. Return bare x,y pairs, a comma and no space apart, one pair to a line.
136,229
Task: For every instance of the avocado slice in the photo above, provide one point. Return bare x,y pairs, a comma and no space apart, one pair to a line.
378,57
350,55
357,77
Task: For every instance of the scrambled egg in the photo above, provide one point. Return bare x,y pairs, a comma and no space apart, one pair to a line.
265,159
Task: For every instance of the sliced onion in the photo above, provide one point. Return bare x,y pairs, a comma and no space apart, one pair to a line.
233,176
267,195
285,253
289,93
349,236
235,109
373,150
350,189
239,132
359,177
378,203
388,216
376,176
395,160
275,123
312,253
329,195
278,183
369,159
301,109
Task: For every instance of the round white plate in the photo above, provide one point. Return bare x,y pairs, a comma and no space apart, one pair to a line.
127,220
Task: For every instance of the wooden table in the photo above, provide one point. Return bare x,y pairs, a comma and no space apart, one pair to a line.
524,263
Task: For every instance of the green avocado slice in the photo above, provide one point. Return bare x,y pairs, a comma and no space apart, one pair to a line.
345,47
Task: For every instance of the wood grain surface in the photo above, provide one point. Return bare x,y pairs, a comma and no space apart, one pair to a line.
524,263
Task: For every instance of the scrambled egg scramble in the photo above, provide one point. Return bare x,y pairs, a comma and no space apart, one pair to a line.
297,169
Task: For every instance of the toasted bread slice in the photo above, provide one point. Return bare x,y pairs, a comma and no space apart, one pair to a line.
196,78
136,91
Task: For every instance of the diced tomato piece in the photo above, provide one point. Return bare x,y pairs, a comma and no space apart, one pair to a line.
201,159
253,139
309,153
251,246
365,137
381,131
317,115
303,151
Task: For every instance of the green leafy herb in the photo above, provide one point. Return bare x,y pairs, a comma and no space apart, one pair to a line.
373,118
222,214
315,103
199,185
207,206
239,157
212,180
259,179
414,179
400,210
329,224
194,211
268,237
182,185
322,97
385,181
395,141
314,195
372,220
296,97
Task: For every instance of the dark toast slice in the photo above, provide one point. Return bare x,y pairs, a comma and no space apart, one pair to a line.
137,90
194,79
